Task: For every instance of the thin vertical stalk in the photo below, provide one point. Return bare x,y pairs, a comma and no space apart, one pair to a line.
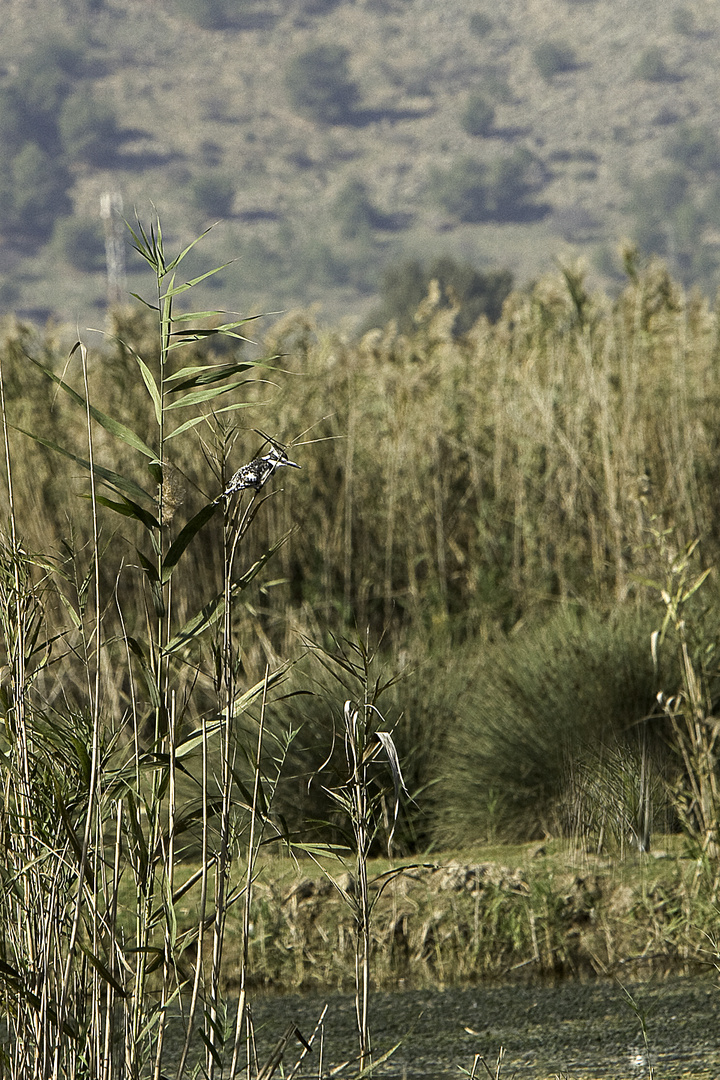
249,877
94,697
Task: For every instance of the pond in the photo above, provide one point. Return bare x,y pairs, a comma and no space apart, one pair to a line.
572,1029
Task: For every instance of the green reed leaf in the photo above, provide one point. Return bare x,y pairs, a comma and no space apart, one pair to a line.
210,373
206,395
107,476
216,412
152,387
120,431
185,537
128,508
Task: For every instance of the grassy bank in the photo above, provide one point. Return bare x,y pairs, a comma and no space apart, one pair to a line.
509,913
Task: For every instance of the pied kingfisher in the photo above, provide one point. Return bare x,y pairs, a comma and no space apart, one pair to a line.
258,471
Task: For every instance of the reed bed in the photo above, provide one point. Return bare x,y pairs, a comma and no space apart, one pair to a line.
161,637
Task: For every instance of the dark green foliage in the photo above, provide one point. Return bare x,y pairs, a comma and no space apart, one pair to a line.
683,21
696,146
472,191
207,14
318,83
510,184
213,195
480,24
34,189
34,99
462,190
81,243
553,57
478,116
88,128
652,66
406,284
355,212
544,703
43,126
661,192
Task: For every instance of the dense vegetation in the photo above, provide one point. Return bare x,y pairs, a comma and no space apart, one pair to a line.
204,654
457,488
339,139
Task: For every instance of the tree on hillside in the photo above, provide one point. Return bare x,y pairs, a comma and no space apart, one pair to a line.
88,128
478,116
33,192
461,189
318,83
472,191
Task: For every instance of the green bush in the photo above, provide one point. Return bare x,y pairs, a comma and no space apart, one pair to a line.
696,146
213,195
355,212
472,191
461,190
478,116
666,221
683,21
652,66
318,83
81,243
207,14
553,57
509,184
88,128
551,701
480,24
34,180
33,187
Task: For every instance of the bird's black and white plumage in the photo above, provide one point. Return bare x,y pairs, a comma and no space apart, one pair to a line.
258,471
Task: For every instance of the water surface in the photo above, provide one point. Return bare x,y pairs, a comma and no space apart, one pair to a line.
570,1030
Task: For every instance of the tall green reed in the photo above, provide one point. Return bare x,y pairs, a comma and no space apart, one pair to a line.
94,793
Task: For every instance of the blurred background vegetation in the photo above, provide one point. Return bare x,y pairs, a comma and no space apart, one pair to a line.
340,139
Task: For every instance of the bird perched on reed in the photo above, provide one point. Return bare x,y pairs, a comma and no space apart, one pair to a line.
258,471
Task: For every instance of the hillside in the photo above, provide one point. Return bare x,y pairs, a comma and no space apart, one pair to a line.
615,138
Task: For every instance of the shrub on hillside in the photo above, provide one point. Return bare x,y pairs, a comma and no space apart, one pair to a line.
33,192
652,66
31,103
81,243
88,128
213,195
41,126
509,185
553,57
355,212
207,14
461,189
480,24
696,146
405,286
318,83
478,116
472,191
668,221
683,21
